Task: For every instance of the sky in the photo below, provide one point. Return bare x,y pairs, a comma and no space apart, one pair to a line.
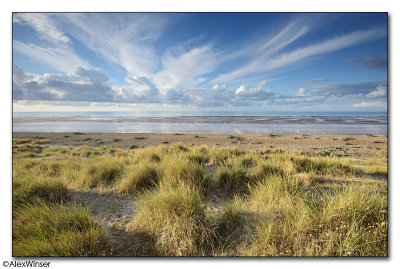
200,62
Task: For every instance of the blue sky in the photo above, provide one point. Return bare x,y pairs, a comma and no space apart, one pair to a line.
200,61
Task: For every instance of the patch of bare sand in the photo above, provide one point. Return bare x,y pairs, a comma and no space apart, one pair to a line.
114,213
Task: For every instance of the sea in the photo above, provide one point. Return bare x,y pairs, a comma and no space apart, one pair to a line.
209,122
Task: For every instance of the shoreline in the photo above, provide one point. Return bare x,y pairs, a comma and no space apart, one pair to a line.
359,146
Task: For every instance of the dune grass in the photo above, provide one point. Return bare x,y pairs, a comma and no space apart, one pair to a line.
175,218
139,177
41,229
28,189
45,221
100,172
201,201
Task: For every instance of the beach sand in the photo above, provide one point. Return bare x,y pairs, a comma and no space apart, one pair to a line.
359,146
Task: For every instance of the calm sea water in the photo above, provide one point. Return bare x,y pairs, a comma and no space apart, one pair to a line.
204,122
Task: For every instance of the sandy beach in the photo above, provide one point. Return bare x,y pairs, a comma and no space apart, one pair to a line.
359,146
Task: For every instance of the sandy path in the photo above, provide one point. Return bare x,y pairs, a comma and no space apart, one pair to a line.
114,212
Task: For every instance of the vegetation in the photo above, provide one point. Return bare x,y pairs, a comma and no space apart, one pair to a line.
200,201
176,220
43,229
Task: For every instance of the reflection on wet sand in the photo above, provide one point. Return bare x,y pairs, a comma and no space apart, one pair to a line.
207,124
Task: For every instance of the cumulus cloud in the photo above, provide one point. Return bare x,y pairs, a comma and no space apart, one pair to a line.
257,93
19,79
179,74
217,87
91,85
370,104
85,85
180,97
77,87
380,91
371,62
140,90
301,92
92,75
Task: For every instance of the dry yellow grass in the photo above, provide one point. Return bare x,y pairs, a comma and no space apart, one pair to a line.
200,200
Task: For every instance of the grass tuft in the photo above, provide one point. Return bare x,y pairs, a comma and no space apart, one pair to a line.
28,189
176,220
138,178
100,172
41,229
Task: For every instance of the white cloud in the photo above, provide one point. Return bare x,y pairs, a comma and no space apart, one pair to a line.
261,63
301,92
293,31
140,90
379,92
62,58
242,90
370,104
43,24
156,76
258,93
85,85
125,40
350,90
184,70
220,88
313,80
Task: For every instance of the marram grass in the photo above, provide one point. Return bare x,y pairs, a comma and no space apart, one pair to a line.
41,229
201,201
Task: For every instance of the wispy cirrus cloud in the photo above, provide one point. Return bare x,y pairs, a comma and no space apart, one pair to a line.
196,71
185,70
265,63
44,25
125,40
62,58
314,80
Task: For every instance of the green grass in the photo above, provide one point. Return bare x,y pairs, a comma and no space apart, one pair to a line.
138,178
176,172
175,219
58,230
100,172
200,200
233,180
28,189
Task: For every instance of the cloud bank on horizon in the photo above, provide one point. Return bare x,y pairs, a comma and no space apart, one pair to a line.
245,61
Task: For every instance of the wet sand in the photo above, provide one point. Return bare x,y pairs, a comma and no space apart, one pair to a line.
359,146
